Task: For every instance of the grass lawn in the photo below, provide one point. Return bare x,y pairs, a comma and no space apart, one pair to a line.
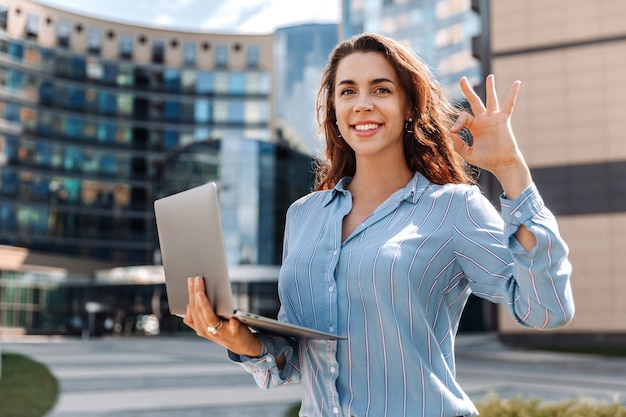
27,388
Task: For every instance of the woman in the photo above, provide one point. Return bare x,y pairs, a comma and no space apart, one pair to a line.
394,240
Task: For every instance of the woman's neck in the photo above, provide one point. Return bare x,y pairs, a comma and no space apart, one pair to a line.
379,179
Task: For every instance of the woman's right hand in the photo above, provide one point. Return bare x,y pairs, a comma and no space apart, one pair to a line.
231,334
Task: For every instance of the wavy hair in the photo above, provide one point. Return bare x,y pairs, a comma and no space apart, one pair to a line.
427,143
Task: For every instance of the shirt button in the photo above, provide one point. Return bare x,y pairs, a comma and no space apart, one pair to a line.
518,214
331,329
268,359
332,370
331,289
335,410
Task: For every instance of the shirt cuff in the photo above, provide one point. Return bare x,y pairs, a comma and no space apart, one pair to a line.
521,210
272,347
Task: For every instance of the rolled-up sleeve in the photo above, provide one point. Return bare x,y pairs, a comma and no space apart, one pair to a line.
264,369
546,301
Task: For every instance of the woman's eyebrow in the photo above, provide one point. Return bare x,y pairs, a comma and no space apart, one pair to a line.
374,81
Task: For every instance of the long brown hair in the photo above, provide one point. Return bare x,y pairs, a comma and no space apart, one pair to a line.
427,143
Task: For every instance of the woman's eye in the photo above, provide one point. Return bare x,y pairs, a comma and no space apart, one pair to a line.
347,91
382,90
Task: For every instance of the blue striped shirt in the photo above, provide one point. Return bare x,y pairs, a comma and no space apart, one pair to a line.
396,287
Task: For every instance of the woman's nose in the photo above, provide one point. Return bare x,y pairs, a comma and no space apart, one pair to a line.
364,103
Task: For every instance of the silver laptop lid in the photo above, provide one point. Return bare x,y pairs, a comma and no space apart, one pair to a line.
191,240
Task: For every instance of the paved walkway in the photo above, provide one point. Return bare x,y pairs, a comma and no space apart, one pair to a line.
189,377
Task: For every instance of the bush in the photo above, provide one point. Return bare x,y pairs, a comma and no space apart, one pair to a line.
27,388
495,407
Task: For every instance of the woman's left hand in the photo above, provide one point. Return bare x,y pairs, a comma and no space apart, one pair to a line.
494,147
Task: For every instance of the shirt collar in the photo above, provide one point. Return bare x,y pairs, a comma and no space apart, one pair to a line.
409,193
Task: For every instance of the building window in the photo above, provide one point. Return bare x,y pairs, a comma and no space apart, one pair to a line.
32,26
256,112
189,54
125,77
188,81
64,29
107,103
94,41
204,83
126,46
253,56
125,105
172,110
109,75
32,56
171,79
221,56
95,70
220,111
4,15
16,50
46,93
237,83
158,51
202,111
258,83
170,139
222,82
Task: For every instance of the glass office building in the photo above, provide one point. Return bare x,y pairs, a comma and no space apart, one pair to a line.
300,54
100,118
440,31
87,109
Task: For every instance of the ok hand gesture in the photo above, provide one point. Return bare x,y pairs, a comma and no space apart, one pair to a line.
494,147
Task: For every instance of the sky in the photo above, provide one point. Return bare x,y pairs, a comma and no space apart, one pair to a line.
221,16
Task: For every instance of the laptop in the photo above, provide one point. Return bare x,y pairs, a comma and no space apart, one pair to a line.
192,244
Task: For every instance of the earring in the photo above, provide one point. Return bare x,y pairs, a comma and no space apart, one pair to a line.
338,132
408,126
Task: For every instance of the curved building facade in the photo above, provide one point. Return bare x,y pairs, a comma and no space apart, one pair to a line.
88,106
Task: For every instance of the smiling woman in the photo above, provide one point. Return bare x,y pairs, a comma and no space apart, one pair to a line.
394,240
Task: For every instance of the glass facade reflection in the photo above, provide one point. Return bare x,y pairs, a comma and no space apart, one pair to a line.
440,31
300,55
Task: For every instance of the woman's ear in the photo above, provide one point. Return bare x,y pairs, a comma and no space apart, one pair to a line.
409,114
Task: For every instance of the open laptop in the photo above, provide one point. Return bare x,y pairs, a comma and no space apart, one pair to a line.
192,244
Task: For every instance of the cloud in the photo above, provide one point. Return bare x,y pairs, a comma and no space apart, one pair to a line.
163,20
231,14
234,16
287,13
164,6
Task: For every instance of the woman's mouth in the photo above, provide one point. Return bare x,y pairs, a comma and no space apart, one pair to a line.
366,127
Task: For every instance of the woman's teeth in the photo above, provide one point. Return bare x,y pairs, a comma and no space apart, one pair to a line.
369,126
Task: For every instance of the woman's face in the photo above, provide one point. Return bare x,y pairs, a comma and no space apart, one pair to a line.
370,105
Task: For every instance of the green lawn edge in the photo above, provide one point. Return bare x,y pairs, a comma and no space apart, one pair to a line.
27,387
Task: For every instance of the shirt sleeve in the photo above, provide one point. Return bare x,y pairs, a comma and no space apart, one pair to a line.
533,285
264,369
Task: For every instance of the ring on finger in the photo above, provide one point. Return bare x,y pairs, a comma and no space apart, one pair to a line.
213,329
